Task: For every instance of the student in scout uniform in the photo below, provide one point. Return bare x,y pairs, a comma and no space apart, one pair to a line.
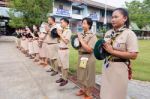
22,31
30,42
43,47
52,46
25,41
86,59
35,43
122,44
18,36
65,36
21,42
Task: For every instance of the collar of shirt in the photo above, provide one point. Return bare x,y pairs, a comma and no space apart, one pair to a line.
66,28
86,33
51,26
117,32
120,29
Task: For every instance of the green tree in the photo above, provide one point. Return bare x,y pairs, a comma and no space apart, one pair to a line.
29,12
146,8
139,12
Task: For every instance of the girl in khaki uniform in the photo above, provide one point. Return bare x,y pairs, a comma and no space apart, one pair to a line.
43,50
17,40
86,60
35,43
25,42
21,43
123,48
30,42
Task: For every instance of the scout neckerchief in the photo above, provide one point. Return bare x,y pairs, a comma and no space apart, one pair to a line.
113,37
115,34
66,28
84,35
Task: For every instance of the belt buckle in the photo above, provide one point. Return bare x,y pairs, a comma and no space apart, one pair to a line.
111,59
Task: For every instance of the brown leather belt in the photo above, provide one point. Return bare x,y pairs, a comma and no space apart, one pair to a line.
63,48
119,60
51,43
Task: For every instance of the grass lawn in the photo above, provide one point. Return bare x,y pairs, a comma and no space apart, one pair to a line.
141,66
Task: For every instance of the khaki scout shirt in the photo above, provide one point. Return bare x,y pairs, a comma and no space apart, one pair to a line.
125,41
90,39
48,38
67,34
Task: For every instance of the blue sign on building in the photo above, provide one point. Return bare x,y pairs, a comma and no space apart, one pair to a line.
94,16
63,12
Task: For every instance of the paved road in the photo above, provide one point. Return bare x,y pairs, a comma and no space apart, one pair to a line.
20,78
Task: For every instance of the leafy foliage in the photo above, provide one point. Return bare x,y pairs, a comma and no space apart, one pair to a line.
139,12
29,12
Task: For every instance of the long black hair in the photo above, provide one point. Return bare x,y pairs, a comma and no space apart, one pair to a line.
125,13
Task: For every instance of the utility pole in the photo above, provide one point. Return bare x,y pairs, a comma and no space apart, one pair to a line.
105,18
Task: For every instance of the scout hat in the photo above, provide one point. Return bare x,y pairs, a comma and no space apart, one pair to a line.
54,33
99,51
75,42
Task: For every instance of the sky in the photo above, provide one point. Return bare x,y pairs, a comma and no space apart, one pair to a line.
115,3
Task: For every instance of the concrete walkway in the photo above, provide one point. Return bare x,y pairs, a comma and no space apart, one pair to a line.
20,78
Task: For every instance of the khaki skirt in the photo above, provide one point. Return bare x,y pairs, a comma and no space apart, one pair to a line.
43,50
86,76
114,81
21,45
30,47
25,44
18,41
35,46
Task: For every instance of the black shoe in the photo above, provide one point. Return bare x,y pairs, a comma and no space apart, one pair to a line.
64,83
54,73
59,80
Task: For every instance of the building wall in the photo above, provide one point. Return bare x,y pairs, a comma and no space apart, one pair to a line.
4,18
62,8
77,11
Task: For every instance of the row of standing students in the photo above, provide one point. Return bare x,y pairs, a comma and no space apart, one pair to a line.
55,51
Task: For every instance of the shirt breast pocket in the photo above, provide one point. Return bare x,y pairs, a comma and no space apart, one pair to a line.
120,45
